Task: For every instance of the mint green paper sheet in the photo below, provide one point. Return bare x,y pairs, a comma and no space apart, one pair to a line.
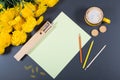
59,46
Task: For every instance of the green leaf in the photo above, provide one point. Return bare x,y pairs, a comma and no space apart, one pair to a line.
12,3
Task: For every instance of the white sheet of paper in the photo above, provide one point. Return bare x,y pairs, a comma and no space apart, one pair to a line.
60,45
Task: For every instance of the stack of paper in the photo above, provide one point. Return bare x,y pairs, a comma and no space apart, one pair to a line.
60,46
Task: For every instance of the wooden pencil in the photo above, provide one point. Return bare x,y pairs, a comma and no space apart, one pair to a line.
80,47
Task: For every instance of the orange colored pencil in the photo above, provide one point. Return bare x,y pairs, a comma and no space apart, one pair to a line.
80,47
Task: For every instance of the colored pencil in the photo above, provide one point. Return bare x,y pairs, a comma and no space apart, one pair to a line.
88,54
80,47
95,57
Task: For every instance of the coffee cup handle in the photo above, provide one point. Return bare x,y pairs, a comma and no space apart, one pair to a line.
106,20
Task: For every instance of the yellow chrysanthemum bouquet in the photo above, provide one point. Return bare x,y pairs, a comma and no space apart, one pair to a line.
19,17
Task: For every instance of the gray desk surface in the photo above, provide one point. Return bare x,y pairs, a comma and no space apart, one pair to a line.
106,66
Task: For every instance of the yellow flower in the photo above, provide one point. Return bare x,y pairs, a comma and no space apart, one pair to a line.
7,15
41,9
1,6
29,25
20,20
12,22
51,3
18,8
40,20
5,27
18,26
18,37
17,23
2,50
27,10
5,39
31,6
